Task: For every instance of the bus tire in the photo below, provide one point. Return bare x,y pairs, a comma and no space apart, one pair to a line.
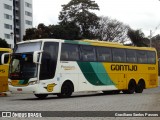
66,90
116,91
131,87
107,92
41,96
111,92
140,86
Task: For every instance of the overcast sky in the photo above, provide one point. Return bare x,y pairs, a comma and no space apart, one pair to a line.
138,14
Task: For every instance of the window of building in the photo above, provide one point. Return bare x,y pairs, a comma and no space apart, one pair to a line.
88,53
119,55
28,13
28,22
7,36
9,17
28,5
7,7
7,26
131,56
104,54
69,52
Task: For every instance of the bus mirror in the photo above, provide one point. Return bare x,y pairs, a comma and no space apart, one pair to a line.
36,57
5,58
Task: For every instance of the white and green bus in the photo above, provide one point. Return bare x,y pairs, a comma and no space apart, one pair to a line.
50,66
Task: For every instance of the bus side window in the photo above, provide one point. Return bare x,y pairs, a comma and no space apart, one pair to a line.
142,57
104,54
88,53
119,55
69,52
151,56
131,56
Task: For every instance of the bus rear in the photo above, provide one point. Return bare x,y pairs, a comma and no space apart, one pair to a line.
4,70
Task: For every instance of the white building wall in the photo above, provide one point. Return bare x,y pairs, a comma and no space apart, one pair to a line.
6,23
26,16
25,20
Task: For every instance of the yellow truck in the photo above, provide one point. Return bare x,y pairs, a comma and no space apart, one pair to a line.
4,71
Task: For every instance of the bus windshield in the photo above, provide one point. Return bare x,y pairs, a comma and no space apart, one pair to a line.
22,67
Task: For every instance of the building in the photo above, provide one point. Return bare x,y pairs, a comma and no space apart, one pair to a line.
16,16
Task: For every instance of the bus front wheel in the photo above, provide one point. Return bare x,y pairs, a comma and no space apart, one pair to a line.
66,90
41,96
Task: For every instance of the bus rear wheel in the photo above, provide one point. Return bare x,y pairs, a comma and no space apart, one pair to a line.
41,96
66,90
131,87
140,86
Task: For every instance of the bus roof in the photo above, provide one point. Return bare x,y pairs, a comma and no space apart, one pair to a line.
115,44
90,42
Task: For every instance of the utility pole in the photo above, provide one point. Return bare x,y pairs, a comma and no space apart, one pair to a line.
150,44
14,22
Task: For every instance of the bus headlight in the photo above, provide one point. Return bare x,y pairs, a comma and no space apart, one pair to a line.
33,82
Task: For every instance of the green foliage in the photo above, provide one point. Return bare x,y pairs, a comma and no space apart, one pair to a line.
77,12
137,38
68,31
156,43
3,43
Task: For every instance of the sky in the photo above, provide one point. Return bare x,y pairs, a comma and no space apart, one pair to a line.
138,14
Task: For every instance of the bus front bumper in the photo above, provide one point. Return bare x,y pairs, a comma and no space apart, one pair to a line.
31,89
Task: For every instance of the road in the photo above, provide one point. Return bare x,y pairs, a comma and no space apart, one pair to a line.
149,100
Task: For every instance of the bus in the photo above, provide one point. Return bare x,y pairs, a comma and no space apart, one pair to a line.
60,67
4,70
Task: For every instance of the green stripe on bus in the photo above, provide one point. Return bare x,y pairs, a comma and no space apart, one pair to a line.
23,82
95,73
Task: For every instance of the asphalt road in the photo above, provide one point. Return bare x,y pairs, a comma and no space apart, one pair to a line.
149,100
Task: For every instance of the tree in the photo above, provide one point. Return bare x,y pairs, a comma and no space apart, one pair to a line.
3,43
156,44
68,31
30,34
137,38
77,11
111,30
40,32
